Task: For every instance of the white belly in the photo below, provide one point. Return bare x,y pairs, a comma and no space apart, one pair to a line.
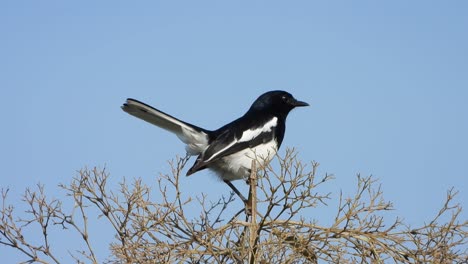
237,166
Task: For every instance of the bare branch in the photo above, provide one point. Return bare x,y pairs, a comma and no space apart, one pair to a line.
156,226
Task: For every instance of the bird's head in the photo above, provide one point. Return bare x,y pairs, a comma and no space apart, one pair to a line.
280,102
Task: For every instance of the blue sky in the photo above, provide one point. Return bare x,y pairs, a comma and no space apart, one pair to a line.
387,84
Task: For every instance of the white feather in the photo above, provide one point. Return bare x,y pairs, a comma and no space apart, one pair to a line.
253,133
196,142
237,166
221,150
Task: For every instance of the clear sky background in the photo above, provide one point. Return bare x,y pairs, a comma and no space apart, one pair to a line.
387,84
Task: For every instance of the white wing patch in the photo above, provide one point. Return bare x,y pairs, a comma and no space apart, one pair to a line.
222,150
253,133
248,135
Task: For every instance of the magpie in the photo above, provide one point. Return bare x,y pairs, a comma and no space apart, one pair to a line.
229,150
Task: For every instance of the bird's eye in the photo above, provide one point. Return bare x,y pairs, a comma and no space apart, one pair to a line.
283,97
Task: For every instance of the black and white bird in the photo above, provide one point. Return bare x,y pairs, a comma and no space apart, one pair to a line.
229,150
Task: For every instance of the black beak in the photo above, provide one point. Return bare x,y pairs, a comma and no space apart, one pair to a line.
297,103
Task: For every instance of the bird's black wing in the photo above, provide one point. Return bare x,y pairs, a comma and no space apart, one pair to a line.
234,140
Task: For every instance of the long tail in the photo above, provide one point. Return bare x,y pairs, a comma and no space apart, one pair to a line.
195,137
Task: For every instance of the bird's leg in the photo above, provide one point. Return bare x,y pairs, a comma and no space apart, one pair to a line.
236,191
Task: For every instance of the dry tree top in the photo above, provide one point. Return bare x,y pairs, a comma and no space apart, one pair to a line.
153,226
